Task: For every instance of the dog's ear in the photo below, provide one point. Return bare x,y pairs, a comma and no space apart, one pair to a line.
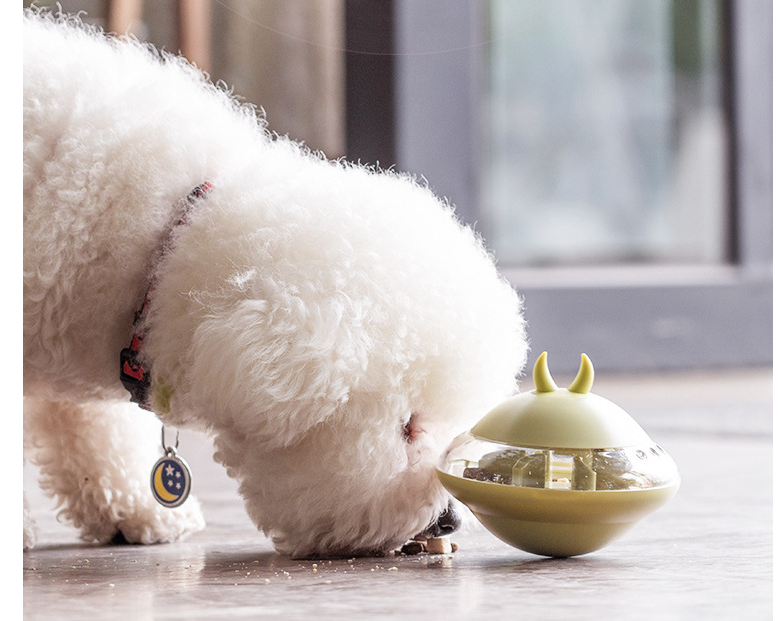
269,372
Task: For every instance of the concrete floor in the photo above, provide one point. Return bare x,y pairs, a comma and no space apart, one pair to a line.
706,555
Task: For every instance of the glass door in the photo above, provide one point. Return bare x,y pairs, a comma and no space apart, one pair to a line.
606,138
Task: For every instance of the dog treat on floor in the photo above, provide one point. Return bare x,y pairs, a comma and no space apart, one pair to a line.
439,545
432,545
411,548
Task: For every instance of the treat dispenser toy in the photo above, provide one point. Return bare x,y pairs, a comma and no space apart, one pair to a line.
558,471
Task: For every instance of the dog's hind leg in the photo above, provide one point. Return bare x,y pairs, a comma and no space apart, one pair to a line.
30,527
96,460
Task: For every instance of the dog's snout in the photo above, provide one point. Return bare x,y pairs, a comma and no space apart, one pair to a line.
448,522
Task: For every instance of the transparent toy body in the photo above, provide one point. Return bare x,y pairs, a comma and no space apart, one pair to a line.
635,467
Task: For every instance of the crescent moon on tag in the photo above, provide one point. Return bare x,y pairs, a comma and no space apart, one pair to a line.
170,481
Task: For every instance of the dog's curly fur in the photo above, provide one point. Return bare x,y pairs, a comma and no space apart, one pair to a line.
332,326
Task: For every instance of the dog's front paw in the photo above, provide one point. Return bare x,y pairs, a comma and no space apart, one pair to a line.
104,491
131,518
153,523
30,528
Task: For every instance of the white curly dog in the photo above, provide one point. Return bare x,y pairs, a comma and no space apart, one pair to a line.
331,326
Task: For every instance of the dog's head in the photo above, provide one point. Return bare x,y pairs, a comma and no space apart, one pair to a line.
335,351
345,490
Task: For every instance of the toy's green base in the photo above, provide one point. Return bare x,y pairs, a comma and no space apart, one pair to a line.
553,539
552,522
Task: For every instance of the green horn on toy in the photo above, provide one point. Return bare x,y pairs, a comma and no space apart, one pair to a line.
542,376
582,383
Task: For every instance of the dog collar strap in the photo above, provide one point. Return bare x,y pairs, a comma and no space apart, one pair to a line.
135,377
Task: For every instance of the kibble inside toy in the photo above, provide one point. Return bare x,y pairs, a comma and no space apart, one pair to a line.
558,471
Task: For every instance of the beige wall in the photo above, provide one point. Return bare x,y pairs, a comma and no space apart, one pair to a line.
287,57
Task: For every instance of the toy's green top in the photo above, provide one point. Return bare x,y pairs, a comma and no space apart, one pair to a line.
560,417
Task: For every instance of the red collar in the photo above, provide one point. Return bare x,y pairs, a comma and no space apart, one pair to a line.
135,377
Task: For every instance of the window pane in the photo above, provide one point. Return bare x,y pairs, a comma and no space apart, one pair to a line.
606,132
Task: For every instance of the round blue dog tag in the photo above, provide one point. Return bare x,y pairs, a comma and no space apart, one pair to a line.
171,480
